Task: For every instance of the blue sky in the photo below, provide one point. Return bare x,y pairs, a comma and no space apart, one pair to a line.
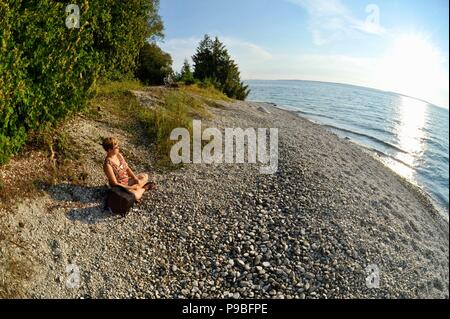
400,46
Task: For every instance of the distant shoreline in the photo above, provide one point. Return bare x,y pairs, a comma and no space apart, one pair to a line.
357,86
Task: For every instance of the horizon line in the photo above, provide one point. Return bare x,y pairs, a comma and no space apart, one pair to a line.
355,85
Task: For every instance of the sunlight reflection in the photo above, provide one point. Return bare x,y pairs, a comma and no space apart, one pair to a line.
412,115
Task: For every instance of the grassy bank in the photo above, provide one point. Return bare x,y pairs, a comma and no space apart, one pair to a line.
170,108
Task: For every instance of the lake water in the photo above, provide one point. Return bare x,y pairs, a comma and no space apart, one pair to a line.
410,135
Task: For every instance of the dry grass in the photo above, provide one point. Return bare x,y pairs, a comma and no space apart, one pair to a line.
117,87
209,92
178,111
169,109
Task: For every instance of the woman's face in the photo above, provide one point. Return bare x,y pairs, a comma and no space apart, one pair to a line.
114,150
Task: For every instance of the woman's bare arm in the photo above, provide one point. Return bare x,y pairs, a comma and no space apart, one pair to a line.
131,174
112,178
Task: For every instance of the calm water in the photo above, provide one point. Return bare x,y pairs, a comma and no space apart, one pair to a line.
410,135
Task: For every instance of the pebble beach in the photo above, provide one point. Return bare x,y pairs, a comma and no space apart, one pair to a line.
310,230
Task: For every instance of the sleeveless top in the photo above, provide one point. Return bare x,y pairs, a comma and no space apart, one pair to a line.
120,171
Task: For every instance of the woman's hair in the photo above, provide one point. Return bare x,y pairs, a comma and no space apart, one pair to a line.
109,143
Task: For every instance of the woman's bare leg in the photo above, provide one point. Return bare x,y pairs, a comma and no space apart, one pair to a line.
142,179
138,193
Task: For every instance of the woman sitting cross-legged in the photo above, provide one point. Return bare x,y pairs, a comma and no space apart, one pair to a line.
119,173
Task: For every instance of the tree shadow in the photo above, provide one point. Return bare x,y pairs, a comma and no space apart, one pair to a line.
91,198
76,193
91,215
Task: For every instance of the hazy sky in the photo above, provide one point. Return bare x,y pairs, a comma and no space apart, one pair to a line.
400,46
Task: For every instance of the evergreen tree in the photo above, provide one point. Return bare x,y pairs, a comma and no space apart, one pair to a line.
203,59
186,75
212,63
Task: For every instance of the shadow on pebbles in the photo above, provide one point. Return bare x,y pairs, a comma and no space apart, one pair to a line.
331,222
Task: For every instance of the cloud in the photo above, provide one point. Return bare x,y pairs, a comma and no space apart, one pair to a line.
331,21
244,50
180,49
241,51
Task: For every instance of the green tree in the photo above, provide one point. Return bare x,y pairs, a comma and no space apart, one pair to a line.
154,64
203,63
121,32
213,64
186,74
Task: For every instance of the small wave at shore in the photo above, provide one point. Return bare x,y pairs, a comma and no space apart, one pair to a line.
374,139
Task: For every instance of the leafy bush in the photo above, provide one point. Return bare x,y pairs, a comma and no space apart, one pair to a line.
47,69
120,29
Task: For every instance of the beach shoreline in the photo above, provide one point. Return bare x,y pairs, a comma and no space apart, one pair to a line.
313,229
421,192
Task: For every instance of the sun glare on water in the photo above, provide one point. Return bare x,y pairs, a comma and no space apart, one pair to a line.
411,115
410,134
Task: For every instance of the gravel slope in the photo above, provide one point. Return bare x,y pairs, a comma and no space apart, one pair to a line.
307,231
